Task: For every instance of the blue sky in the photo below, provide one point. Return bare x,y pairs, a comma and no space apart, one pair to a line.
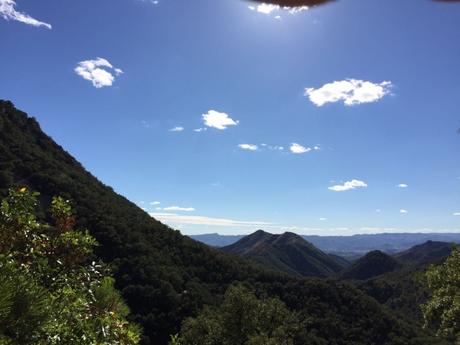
339,119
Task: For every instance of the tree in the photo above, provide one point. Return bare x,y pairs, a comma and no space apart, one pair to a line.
242,319
443,308
51,291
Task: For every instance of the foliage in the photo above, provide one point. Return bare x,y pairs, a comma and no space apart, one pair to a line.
443,308
51,292
242,319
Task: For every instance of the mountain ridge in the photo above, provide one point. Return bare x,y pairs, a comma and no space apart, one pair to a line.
287,252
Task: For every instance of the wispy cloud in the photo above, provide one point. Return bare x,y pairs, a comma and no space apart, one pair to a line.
9,12
178,208
153,203
402,185
172,218
350,91
218,120
298,149
349,185
202,129
456,214
403,211
177,129
249,147
99,72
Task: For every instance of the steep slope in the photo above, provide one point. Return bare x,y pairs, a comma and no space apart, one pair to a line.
371,265
426,253
288,253
166,277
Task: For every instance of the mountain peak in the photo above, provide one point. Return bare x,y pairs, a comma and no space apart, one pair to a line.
373,264
286,252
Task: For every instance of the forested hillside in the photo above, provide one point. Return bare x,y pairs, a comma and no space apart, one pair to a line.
287,252
166,277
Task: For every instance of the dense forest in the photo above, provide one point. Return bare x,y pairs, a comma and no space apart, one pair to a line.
166,278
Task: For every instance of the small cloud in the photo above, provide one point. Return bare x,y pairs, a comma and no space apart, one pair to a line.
402,185
268,9
350,91
323,219
200,130
153,203
456,214
298,149
145,124
317,148
218,120
403,211
298,9
177,129
158,208
249,147
349,185
98,72
378,210
8,12
177,208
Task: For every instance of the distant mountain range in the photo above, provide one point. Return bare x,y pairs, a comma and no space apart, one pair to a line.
291,253
350,247
288,252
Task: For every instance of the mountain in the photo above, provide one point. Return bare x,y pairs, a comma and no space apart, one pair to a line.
371,265
288,253
166,277
350,246
430,252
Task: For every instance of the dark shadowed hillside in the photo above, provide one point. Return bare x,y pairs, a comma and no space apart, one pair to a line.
288,252
166,277
429,252
371,265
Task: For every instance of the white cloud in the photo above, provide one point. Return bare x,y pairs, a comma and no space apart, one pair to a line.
99,72
350,91
249,147
402,185
294,10
8,12
403,211
218,120
323,219
200,129
177,208
270,8
349,185
153,203
456,214
177,129
297,148
173,218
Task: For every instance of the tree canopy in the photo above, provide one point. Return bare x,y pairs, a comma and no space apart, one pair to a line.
51,289
442,310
